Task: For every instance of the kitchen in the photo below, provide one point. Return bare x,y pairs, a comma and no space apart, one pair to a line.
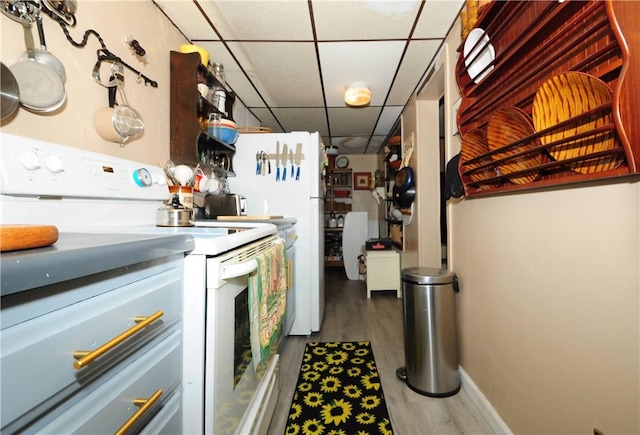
544,313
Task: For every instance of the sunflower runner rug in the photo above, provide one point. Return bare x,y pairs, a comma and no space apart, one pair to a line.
338,392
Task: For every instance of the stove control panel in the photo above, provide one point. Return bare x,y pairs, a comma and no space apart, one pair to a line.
29,167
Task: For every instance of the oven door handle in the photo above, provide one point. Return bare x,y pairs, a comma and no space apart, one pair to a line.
236,270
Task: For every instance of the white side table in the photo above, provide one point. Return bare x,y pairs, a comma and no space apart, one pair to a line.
383,271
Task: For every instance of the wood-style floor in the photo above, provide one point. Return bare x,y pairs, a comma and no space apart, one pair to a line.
350,316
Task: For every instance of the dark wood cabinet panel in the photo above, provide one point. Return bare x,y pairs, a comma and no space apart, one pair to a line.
188,139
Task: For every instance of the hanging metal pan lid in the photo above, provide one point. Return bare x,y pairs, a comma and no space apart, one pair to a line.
10,92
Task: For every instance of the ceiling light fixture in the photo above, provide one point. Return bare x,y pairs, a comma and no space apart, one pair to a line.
357,94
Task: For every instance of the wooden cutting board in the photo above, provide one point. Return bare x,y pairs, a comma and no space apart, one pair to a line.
248,218
17,237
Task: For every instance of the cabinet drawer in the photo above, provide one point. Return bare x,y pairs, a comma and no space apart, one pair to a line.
168,420
109,406
37,355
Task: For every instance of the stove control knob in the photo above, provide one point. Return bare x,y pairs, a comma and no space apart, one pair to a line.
54,164
29,159
142,177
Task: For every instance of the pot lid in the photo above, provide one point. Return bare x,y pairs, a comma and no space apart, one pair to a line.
428,275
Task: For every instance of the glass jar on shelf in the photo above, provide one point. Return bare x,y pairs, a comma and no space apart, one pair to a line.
219,92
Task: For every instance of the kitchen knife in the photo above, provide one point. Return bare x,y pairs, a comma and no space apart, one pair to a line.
291,158
277,160
258,160
284,162
298,159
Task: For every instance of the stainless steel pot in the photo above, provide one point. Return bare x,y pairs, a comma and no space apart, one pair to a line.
10,92
175,215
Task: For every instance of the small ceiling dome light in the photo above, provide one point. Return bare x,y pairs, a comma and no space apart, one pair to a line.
357,94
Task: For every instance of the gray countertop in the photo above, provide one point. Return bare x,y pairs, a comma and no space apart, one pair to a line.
280,223
80,254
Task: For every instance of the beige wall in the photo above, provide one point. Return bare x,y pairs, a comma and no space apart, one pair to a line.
549,303
73,124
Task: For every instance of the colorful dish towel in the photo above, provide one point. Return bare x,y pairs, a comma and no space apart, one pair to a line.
267,301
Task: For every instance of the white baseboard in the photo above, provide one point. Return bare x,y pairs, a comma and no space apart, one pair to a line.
483,405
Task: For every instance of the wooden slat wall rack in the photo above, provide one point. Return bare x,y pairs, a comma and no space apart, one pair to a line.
533,43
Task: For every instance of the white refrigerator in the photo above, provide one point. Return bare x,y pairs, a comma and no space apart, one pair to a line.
271,189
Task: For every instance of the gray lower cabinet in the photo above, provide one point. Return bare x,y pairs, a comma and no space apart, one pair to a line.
131,317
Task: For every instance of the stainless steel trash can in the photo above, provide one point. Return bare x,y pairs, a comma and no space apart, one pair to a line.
430,341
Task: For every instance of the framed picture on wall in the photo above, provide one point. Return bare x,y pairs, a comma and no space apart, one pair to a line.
361,180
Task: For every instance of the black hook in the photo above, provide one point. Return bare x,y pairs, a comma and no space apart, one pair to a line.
108,55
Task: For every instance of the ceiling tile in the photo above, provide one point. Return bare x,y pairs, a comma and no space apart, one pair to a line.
260,20
267,120
436,18
286,72
374,63
187,17
375,146
364,19
301,119
388,118
416,60
353,121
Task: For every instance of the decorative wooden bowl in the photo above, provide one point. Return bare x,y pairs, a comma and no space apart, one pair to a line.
512,126
474,144
577,103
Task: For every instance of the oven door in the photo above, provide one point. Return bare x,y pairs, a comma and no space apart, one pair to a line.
235,397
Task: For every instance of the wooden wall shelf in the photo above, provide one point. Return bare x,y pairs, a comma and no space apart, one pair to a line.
187,139
533,42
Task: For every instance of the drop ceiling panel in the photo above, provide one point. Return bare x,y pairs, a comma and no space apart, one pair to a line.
388,118
301,119
374,63
355,121
436,18
267,119
364,19
288,72
375,145
417,58
187,17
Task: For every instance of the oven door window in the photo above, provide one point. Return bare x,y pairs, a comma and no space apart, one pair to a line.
242,339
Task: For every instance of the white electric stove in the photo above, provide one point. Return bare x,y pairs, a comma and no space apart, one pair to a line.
83,192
